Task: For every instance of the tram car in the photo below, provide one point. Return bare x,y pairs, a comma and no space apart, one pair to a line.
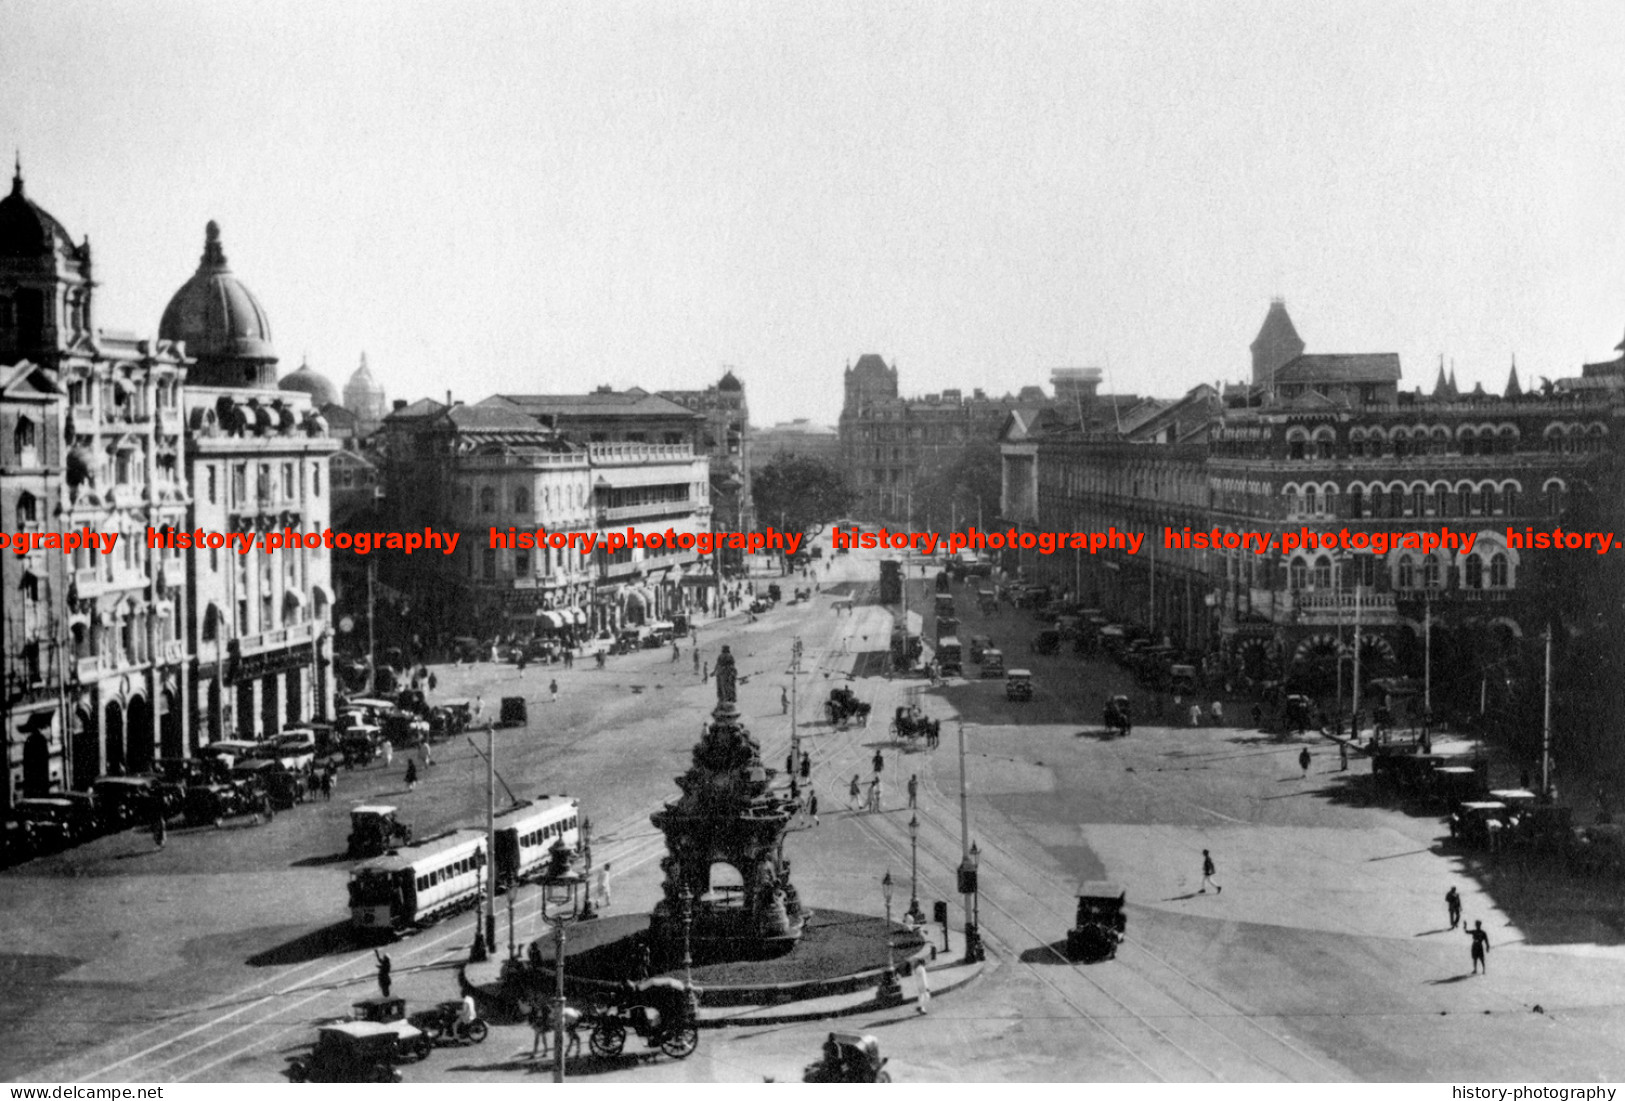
526,832
417,884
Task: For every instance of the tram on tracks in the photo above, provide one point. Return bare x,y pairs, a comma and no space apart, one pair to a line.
420,883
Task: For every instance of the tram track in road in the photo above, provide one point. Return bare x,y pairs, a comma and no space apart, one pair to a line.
1288,1060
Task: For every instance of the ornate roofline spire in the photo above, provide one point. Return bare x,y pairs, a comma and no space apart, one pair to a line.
213,254
17,173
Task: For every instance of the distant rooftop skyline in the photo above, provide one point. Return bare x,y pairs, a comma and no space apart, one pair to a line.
506,199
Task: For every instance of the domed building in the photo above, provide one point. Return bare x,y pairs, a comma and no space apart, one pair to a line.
224,326
307,381
366,399
45,297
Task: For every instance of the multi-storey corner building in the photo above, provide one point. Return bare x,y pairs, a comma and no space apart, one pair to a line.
889,444
1329,445
103,651
256,463
726,444
33,617
111,460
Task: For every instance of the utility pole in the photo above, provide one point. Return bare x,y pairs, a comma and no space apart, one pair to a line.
372,652
1427,659
1357,606
1546,724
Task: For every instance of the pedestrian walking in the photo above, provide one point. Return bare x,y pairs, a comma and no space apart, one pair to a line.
1343,756
411,775
1218,713
1303,761
1196,714
327,784
879,762
784,700
1258,717
384,968
812,807
913,790
696,659
1480,948
874,794
676,653
1452,905
434,682
1208,872
922,982
553,690
705,677
389,753
160,830
806,767
852,792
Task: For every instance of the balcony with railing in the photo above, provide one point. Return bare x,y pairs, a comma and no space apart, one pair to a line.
651,511
639,454
291,635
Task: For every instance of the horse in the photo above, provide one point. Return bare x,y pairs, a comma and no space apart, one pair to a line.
541,1022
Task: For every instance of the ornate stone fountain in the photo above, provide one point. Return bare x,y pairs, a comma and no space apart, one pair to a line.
727,814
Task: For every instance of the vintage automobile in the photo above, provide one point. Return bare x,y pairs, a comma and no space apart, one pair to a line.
978,645
1047,641
52,822
943,605
411,1042
352,1051
1182,679
950,658
910,722
375,829
849,1057
987,601
1101,922
211,804
228,752
1481,823
1452,784
361,744
992,663
1018,685
1297,713
402,728
126,800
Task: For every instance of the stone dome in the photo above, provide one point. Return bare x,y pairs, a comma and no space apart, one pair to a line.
215,314
729,382
362,384
27,230
317,385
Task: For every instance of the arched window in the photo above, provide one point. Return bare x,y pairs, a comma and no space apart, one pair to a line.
1430,571
1377,503
1295,444
1474,575
488,499
23,438
1554,498
1469,501
1469,441
1298,574
1402,444
1510,499
521,499
1492,500
1407,572
1311,500
1419,501
27,508
1498,572
1323,572
1356,501
1325,444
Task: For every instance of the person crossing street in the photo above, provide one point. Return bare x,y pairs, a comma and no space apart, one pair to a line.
1208,872
1452,905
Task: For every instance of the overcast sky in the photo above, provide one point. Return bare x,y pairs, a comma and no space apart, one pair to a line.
545,197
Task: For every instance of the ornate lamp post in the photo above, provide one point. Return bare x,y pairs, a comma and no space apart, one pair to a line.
559,888
915,914
890,989
969,879
686,896
478,953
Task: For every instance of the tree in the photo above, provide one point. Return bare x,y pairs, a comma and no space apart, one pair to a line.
799,493
962,490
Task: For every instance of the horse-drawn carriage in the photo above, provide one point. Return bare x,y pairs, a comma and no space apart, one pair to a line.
910,722
1118,717
843,706
1101,922
658,1010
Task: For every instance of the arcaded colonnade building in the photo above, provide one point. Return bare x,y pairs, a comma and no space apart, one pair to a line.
1324,443
102,431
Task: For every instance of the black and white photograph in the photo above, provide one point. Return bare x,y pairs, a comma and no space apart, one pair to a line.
695,544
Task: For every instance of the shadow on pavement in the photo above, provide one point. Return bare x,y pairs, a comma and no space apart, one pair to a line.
320,861
329,940
1053,953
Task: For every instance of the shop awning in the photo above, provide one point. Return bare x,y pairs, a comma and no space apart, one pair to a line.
551,620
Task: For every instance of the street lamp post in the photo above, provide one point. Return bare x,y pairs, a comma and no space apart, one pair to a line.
891,990
914,912
686,897
559,888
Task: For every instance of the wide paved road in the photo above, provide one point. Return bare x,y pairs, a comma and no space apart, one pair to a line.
1325,958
